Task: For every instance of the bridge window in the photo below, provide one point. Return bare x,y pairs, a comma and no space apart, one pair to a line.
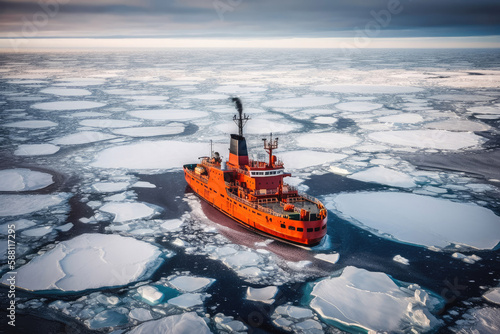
316,229
310,229
300,229
324,226
292,228
283,226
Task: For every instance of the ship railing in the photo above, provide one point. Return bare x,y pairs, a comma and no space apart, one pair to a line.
210,164
312,199
197,176
257,205
239,170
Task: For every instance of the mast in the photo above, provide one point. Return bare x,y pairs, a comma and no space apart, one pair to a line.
242,119
269,147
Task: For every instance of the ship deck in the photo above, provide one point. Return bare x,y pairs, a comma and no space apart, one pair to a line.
305,204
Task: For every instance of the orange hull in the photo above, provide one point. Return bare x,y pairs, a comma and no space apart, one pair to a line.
214,191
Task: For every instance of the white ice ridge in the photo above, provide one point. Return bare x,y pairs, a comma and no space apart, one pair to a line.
168,114
264,295
367,89
36,149
67,105
34,124
23,179
15,205
128,211
391,308
84,137
385,176
89,261
326,140
301,102
433,139
150,131
144,155
186,323
307,158
420,220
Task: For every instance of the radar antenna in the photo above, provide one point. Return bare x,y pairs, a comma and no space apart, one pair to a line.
243,118
270,146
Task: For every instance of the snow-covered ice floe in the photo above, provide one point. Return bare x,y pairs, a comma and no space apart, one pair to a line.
176,324
367,89
419,220
89,261
33,124
16,205
23,179
481,320
66,91
129,211
493,295
385,176
144,155
36,149
83,137
394,308
150,131
190,283
433,139
67,105
307,158
108,123
168,114
326,140
264,295
301,102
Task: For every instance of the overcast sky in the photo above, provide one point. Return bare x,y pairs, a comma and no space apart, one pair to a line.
241,21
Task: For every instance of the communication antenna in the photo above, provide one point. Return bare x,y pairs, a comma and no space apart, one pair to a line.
270,146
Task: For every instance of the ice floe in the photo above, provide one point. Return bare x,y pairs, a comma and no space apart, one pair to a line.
150,131
38,232
190,283
38,124
168,114
260,126
326,140
176,324
478,320
392,308
78,82
187,300
89,261
420,220
110,187
358,106
15,205
143,184
108,123
458,125
144,155
367,89
332,258
493,295
66,91
23,179
307,158
150,293
83,137
405,118
433,139
264,295
470,259
301,102
67,105
385,176
36,149
128,211
400,259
